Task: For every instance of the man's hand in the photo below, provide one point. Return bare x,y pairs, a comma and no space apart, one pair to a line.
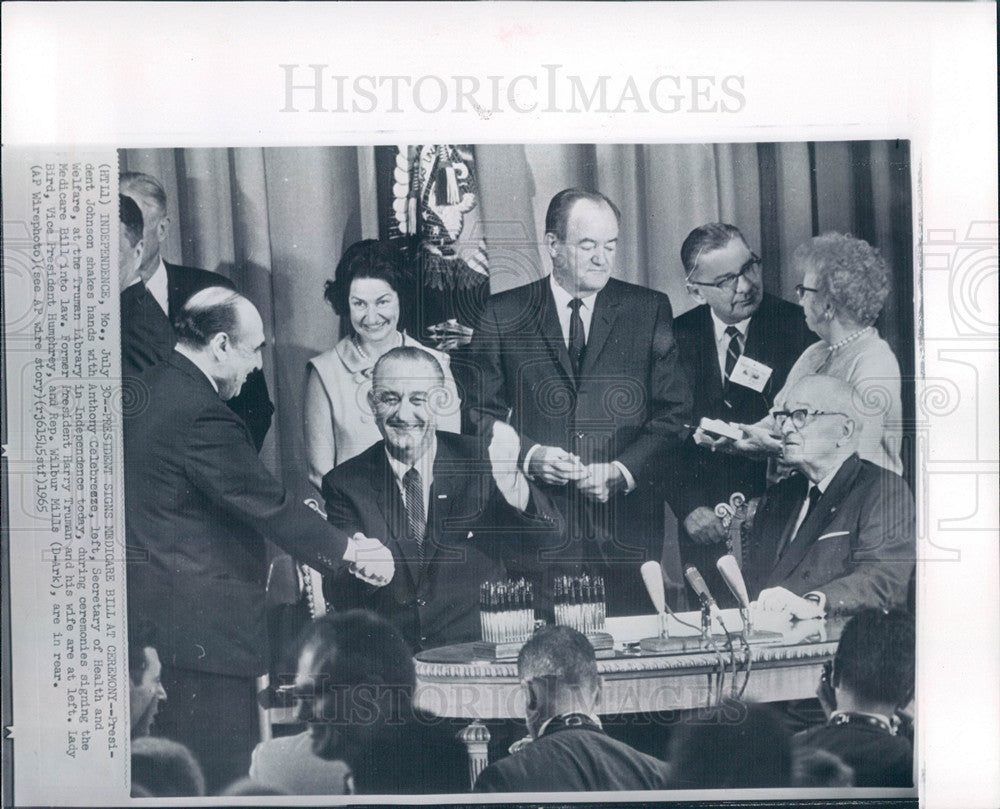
778,599
556,466
505,447
712,442
450,334
602,481
371,561
704,527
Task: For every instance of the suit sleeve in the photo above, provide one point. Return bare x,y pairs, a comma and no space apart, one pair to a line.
489,780
222,463
253,405
343,590
670,403
882,555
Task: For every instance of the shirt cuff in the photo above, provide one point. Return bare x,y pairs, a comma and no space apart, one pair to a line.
818,598
629,480
527,461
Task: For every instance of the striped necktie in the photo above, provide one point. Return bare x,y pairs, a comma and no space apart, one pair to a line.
734,350
416,521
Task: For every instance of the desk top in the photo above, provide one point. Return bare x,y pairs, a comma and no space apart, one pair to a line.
451,681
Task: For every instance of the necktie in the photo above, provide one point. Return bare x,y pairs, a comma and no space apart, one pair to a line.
812,498
734,350
416,522
577,340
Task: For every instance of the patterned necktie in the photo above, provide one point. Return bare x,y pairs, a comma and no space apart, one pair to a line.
577,340
416,522
734,350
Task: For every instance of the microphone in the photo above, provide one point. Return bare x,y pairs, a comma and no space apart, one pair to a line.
698,585
733,577
652,577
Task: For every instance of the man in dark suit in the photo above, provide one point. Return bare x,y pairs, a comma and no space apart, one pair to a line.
151,303
840,535
869,681
569,751
199,504
585,368
354,685
737,325
452,516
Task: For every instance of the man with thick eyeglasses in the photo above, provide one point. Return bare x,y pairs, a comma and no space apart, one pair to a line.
736,348
839,535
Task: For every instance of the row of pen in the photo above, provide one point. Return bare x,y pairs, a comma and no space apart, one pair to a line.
506,611
579,602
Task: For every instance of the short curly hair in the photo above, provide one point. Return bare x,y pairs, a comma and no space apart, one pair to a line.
369,258
850,274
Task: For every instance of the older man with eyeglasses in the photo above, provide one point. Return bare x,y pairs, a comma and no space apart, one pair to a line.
838,535
736,348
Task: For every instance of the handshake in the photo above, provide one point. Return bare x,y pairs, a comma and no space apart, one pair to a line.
370,560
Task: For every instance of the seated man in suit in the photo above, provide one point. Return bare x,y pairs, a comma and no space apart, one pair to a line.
354,685
870,679
584,367
840,535
737,328
151,302
452,517
569,750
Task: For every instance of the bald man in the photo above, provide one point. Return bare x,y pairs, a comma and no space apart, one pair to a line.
839,535
199,505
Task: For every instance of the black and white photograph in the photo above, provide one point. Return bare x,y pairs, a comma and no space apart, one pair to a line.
576,462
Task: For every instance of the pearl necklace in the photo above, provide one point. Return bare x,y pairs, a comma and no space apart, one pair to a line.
850,338
363,353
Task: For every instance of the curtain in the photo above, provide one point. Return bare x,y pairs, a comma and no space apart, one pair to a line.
275,221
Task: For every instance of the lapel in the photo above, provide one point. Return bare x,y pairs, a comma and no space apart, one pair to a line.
606,307
816,523
549,328
390,505
444,490
710,370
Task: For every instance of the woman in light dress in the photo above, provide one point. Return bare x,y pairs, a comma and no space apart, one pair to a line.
338,421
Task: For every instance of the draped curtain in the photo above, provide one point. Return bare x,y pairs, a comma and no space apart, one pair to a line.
275,221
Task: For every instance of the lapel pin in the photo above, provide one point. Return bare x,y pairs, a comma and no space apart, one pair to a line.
442,497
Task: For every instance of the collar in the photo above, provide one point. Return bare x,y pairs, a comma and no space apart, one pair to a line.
823,484
873,720
358,364
158,285
562,297
569,720
424,463
720,327
196,362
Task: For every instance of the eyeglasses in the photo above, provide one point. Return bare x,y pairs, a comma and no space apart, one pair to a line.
801,417
728,283
801,290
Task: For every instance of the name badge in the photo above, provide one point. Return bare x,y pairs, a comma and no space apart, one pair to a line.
750,374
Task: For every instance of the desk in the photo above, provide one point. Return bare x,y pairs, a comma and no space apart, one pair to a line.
452,683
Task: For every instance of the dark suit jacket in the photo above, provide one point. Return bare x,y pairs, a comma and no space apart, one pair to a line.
580,758
630,403
878,758
857,547
148,338
776,336
198,505
473,536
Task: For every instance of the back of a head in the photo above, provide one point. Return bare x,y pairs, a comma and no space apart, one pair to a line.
358,647
166,769
208,312
561,654
145,187
876,657
735,745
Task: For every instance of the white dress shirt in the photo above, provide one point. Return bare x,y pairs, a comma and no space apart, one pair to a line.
424,465
722,340
562,298
157,287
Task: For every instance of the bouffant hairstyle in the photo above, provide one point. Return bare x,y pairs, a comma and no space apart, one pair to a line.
368,258
850,274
